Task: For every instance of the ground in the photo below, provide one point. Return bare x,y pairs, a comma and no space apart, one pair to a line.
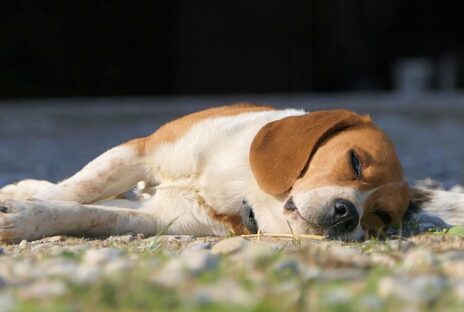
49,139
185,273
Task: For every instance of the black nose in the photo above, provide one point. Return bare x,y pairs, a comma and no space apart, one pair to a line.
345,217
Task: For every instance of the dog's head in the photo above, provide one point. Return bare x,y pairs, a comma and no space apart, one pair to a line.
334,172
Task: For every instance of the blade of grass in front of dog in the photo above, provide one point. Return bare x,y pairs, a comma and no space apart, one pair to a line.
156,242
457,230
277,235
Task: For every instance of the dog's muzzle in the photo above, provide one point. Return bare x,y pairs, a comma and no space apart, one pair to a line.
342,219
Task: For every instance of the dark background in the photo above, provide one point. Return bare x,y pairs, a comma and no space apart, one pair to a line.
112,48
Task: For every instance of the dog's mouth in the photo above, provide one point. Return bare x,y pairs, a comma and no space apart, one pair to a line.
327,226
248,218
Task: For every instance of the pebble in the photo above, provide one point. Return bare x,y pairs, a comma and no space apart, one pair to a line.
421,289
23,245
229,245
171,275
458,289
54,239
420,260
87,275
171,238
347,256
453,263
100,256
401,245
118,266
383,259
453,255
42,289
122,238
338,296
199,246
41,247
61,267
371,303
189,263
198,261
7,303
224,292
288,265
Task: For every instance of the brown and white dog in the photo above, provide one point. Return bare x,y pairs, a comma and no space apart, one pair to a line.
330,173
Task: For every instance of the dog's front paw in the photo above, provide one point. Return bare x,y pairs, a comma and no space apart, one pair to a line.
415,223
19,220
24,189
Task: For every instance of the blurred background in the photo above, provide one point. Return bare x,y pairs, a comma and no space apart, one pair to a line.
78,77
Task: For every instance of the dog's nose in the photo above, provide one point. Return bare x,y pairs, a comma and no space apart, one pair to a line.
345,216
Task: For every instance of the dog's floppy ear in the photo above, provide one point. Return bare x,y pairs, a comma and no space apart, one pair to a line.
281,149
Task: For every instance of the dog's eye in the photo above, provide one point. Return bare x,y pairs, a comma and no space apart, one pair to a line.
383,216
356,164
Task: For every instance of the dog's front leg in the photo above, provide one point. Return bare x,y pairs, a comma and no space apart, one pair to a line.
30,220
112,173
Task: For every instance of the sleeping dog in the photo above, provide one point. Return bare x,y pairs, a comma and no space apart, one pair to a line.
239,169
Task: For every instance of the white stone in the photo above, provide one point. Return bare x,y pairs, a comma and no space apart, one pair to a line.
61,267
100,256
420,260
371,303
118,266
337,296
23,245
382,259
225,292
7,303
42,289
87,274
57,238
122,238
421,289
199,246
198,261
229,245
171,274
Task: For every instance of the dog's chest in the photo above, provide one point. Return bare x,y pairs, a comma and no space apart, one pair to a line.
211,161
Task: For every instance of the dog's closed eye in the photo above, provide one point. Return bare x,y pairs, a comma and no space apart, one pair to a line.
355,163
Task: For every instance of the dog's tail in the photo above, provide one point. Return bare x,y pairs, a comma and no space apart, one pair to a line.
436,207
447,205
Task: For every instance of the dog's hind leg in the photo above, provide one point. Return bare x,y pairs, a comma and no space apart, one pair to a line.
35,219
114,172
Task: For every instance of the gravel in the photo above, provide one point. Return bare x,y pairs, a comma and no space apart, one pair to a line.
238,271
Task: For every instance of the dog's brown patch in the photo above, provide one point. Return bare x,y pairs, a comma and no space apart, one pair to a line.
282,148
175,129
234,223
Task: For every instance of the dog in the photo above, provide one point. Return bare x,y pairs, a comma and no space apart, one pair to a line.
234,169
